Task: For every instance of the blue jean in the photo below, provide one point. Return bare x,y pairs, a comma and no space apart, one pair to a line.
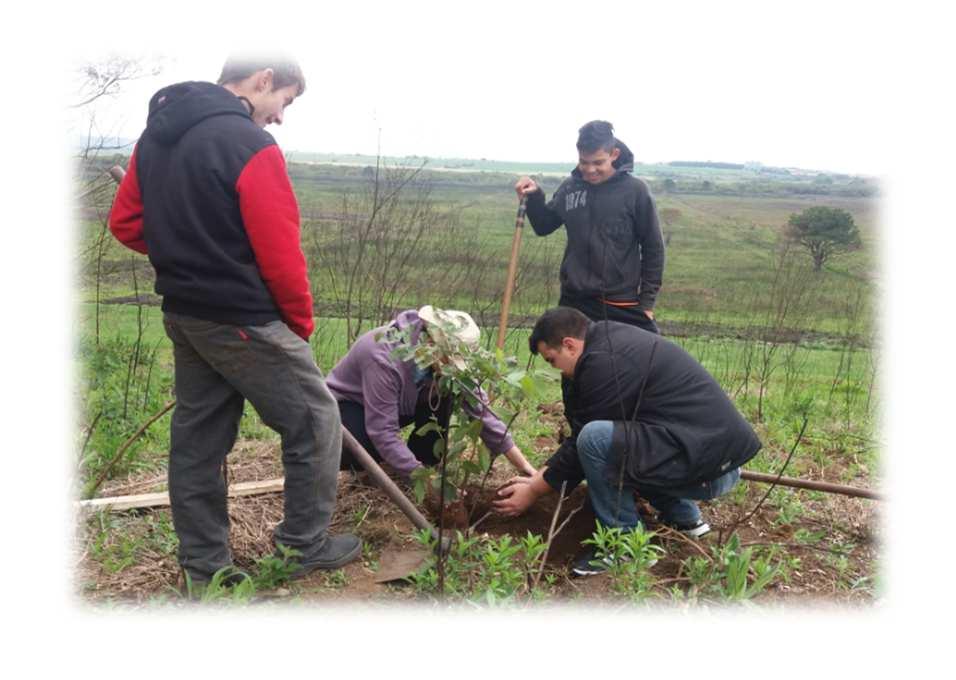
676,506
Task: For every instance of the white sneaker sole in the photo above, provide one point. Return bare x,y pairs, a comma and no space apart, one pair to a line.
696,532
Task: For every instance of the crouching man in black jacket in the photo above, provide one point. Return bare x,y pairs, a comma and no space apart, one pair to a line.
643,413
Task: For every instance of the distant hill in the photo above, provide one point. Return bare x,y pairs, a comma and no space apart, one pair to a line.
432,163
674,168
680,176
120,145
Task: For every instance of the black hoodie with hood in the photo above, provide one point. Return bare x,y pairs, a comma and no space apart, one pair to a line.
615,250
208,198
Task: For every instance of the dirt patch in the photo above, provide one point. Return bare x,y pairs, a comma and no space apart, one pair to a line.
831,547
575,519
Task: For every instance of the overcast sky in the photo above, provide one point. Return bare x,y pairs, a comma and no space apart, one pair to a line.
799,85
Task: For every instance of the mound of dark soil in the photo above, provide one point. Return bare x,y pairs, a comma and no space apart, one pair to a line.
475,510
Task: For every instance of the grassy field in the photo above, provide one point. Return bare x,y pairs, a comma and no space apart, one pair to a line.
720,256
787,344
773,385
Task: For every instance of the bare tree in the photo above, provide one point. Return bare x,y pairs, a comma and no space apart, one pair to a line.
94,84
365,252
789,298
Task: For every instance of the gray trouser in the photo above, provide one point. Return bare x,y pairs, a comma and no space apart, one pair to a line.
217,367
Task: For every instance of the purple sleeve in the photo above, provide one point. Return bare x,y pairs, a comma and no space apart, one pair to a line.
380,387
494,433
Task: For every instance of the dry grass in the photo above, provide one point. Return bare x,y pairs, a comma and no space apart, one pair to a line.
144,539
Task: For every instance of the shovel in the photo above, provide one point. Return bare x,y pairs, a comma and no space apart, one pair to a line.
512,269
394,565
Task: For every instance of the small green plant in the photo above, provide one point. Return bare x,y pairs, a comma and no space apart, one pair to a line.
369,555
736,565
162,533
700,572
113,546
228,585
789,508
483,569
336,579
630,555
840,562
274,570
731,572
786,563
807,536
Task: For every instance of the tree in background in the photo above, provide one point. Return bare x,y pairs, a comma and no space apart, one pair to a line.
824,232
96,84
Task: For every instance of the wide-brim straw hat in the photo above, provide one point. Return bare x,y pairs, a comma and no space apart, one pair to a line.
441,323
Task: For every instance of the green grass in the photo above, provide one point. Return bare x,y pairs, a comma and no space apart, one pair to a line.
719,277
811,380
719,260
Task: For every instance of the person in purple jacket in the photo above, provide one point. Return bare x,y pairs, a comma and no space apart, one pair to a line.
378,395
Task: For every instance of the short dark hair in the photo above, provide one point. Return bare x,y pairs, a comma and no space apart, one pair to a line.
596,136
285,71
556,324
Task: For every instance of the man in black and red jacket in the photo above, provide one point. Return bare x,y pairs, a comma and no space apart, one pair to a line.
207,197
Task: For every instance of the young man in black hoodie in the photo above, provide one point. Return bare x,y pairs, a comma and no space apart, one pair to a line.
645,417
207,197
614,260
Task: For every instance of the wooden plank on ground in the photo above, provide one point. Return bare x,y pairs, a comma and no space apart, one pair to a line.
158,500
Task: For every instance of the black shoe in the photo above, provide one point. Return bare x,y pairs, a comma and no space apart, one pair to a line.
337,551
694,530
589,564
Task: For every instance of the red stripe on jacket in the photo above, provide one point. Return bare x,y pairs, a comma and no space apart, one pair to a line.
126,215
270,214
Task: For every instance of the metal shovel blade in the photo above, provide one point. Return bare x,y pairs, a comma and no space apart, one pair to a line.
397,565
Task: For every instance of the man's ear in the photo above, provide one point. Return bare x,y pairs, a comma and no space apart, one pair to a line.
567,343
264,81
615,154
